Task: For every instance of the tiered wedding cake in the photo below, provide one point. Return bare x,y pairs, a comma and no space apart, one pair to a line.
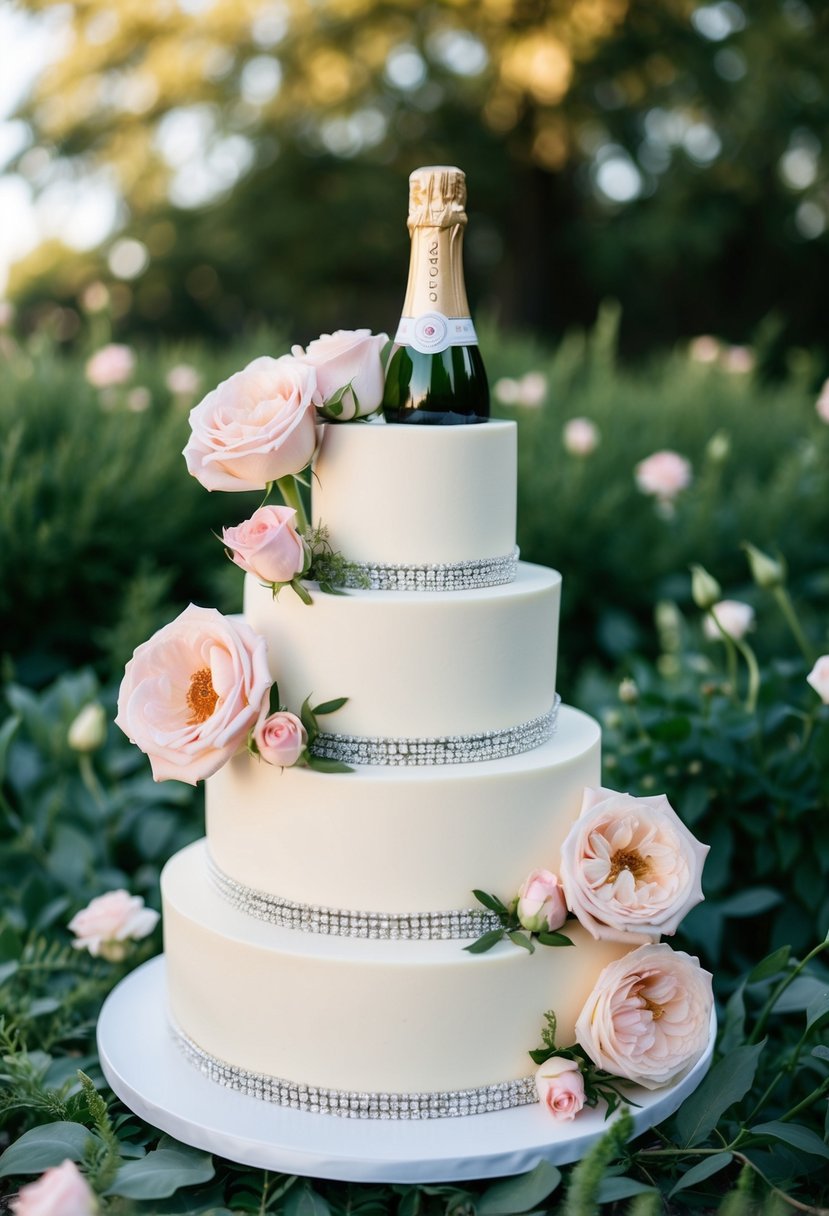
315,940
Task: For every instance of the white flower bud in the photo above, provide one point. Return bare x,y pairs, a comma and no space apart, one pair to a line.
88,730
765,571
705,589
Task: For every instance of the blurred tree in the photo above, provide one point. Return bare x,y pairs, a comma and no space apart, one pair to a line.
666,153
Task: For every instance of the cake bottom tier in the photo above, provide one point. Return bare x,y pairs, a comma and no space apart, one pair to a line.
355,1015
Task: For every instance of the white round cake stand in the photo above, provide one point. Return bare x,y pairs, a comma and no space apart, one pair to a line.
149,1073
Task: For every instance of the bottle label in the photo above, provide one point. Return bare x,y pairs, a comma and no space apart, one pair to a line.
432,332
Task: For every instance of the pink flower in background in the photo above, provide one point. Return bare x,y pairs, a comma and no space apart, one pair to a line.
704,349
818,677
255,427
6,314
734,616
560,1087
183,380
109,921
541,903
530,390
506,390
280,738
629,866
61,1191
348,357
648,1016
139,399
739,360
95,297
822,403
664,475
268,545
111,365
580,436
191,694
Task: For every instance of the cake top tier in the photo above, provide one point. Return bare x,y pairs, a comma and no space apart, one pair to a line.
417,495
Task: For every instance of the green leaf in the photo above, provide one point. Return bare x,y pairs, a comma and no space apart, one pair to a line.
751,902
817,1009
821,1052
333,409
306,716
42,1147
523,940
485,942
771,965
734,1022
322,765
519,1194
330,707
794,1134
702,1170
554,939
297,585
7,731
727,1082
303,1201
492,902
162,1172
7,970
623,1187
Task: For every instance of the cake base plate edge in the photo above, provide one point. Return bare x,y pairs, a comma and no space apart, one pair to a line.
147,1070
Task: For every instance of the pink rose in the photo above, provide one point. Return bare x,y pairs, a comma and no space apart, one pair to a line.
281,738
255,427
560,1087
664,474
348,357
541,903
735,617
268,545
648,1016
818,677
629,866
580,436
191,693
61,1191
113,364
109,921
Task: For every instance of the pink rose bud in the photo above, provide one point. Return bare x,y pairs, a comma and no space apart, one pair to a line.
109,921
348,357
818,678
268,545
541,905
257,426
113,364
281,738
61,1191
664,475
560,1087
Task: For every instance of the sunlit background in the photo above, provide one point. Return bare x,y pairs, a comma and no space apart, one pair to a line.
221,163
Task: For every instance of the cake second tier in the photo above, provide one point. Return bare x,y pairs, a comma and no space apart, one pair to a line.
416,664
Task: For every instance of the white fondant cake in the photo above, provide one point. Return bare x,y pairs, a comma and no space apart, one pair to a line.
304,937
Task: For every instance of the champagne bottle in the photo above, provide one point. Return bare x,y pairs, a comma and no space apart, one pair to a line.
436,375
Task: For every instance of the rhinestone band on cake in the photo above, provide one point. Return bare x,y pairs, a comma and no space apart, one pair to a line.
448,749
356,1105
381,926
443,576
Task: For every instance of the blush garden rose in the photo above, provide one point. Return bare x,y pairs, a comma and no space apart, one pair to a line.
630,868
191,694
60,1191
255,427
648,1016
349,369
109,921
268,545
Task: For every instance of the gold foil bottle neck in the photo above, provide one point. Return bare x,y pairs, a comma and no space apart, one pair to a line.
437,197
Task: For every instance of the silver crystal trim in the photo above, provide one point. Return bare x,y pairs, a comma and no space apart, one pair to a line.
349,1104
338,922
440,576
448,749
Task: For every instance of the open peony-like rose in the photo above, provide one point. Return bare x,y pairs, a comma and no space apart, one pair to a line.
268,545
541,903
255,427
348,359
560,1087
664,474
109,921
191,693
61,1191
280,738
629,866
648,1015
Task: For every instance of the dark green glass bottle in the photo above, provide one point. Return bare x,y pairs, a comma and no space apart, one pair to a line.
436,375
